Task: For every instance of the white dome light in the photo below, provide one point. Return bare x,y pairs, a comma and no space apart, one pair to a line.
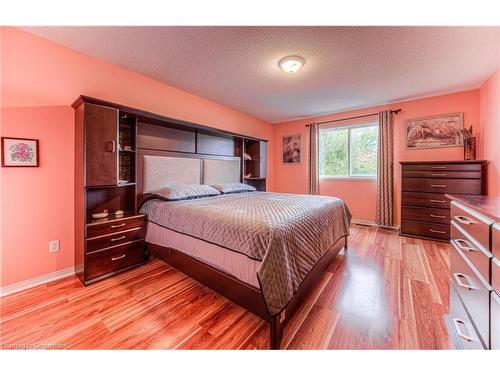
291,64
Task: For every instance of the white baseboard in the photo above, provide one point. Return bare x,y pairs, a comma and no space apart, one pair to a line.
372,224
22,285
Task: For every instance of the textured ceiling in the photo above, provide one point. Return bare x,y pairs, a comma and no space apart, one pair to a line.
346,67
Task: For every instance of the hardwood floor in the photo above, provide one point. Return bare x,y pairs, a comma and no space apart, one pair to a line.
385,292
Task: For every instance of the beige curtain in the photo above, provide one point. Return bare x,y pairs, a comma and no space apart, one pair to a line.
313,159
385,171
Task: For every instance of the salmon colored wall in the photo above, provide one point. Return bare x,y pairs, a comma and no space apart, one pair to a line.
37,203
490,130
360,195
39,81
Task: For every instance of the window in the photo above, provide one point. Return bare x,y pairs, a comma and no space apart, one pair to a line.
348,151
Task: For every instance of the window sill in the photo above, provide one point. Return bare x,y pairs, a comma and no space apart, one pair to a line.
347,178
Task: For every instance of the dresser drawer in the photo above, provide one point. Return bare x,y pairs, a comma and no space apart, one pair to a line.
441,185
442,167
476,225
495,321
114,258
462,325
472,291
495,274
100,229
495,243
433,215
425,200
101,242
480,258
443,174
432,230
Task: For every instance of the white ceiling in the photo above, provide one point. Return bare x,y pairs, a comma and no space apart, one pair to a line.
346,67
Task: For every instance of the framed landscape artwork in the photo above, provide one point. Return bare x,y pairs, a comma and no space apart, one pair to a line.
19,152
434,132
291,149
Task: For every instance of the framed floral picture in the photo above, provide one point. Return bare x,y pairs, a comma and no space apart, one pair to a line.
291,149
434,132
19,152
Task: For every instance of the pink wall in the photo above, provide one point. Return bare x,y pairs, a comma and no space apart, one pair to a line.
360,195
490,130
40,80
37,203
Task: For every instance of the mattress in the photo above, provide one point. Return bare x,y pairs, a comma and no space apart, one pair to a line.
227,261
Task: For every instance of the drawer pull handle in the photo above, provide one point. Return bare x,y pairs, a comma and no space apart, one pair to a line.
464,220
464,245
437,186
438,167
438,216
438,174
437,231
117,225
458,277
437,201
119,257
118,238
458,323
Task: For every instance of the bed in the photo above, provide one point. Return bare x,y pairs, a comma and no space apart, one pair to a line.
262,250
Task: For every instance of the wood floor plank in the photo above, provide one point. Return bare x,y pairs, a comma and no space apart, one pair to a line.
383,292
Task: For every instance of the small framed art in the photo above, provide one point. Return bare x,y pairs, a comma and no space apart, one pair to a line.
19,152
291,149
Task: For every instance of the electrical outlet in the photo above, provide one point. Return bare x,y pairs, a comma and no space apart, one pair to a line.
53,246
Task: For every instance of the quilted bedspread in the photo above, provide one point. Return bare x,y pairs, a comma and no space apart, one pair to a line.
288,233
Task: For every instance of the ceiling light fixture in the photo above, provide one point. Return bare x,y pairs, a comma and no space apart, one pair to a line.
291,64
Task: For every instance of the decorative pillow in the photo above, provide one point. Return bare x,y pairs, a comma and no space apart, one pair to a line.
176,192
233,188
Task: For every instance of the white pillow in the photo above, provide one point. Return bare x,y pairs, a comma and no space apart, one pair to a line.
176,192
236,187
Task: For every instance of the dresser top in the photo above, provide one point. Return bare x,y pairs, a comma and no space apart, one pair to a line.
487,205
443,162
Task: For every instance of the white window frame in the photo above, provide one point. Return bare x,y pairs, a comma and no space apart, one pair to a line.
349,177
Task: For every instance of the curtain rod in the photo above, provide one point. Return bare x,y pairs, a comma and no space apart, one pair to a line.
395,111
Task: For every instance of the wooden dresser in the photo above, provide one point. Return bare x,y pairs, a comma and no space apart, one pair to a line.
474,319
425,210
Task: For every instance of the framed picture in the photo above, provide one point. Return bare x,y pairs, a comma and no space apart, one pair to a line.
291,149
19,152
434,132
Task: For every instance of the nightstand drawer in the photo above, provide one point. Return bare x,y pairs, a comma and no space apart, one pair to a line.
101,242
476,225
433,215
472,291
114,258
441,185
108,227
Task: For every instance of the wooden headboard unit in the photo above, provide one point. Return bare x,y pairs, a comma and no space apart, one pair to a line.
157,135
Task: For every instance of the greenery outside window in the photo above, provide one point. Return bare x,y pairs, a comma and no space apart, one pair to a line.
348,152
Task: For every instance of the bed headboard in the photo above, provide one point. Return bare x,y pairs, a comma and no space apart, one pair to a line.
157,169
219,171
160,171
